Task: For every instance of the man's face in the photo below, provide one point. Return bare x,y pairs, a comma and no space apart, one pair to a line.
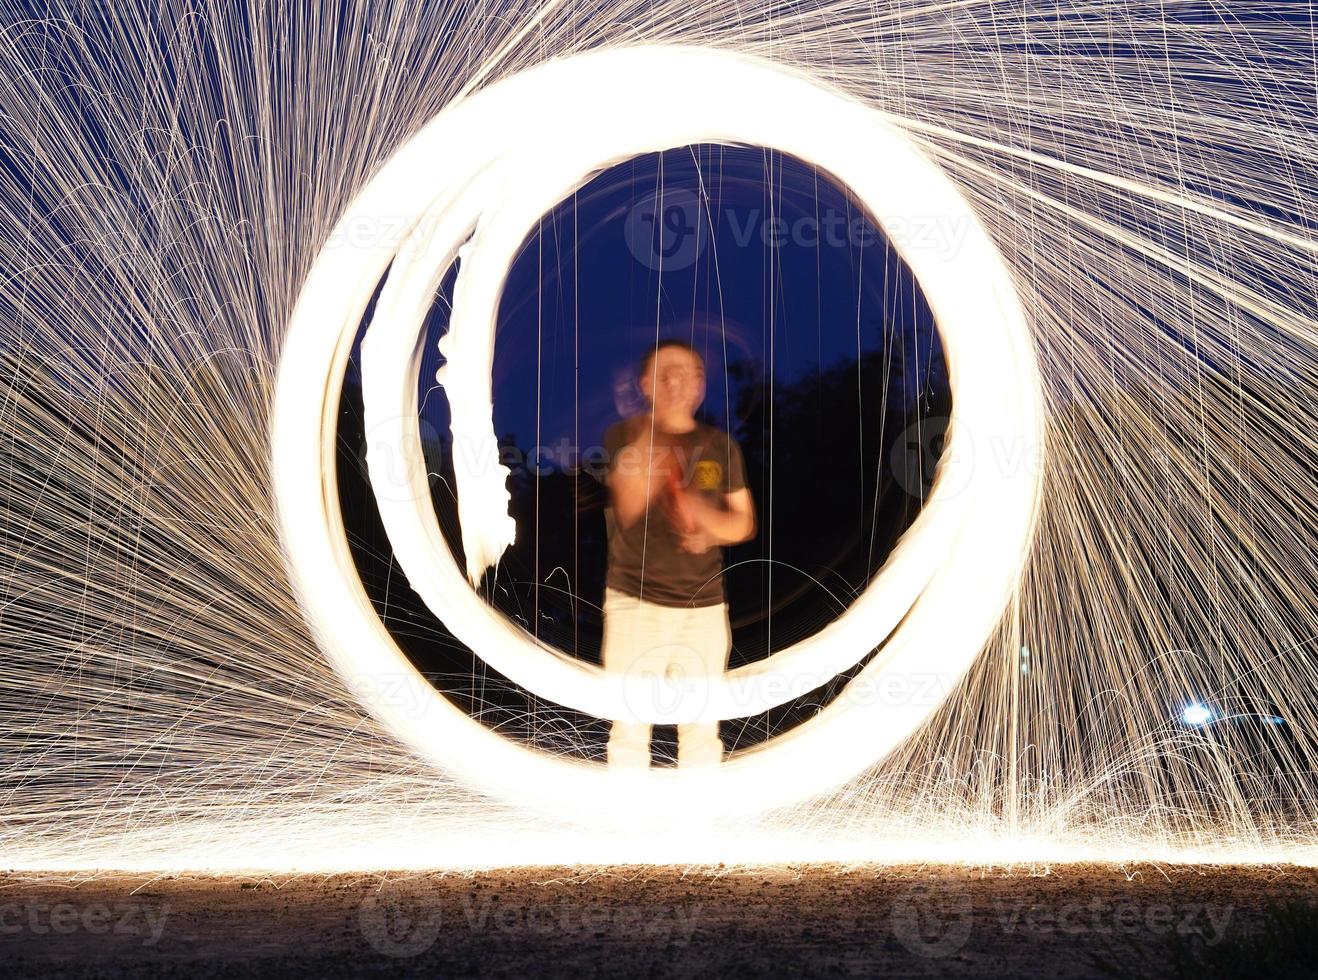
674,382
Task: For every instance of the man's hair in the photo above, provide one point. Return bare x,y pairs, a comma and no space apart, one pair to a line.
643,365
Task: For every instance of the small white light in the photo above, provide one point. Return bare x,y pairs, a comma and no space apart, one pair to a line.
1196,714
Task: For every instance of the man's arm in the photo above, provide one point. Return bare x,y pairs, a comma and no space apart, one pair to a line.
730,524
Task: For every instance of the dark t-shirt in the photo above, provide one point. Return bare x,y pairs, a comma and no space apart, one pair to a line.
647,559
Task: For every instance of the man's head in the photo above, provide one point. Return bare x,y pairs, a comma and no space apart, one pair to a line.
671,375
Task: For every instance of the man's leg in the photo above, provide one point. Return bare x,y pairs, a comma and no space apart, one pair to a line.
708,635
624,628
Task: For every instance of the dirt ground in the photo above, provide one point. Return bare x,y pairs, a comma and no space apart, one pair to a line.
641,921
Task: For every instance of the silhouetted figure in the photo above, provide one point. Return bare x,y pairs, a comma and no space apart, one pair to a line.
678,492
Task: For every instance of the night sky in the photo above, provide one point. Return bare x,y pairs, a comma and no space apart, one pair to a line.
592,288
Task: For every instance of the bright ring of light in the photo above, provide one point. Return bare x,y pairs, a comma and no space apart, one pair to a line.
494,163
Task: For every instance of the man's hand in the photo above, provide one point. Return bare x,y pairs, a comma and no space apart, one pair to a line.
638,476
723,525
678,504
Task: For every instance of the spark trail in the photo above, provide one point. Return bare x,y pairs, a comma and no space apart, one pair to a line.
1147,170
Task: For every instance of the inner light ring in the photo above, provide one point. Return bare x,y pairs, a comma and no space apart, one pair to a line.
838,743
505,202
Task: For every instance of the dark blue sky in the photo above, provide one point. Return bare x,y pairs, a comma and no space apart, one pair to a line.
758,259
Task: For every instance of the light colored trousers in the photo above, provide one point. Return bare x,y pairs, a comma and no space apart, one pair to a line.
651,640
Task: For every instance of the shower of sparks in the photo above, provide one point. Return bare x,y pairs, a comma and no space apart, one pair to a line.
1148,171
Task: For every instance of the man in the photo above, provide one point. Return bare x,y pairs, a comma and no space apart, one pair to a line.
678,493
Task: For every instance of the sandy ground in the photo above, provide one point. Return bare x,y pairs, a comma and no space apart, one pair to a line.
631,921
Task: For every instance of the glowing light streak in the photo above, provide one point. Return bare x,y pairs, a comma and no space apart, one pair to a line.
964,551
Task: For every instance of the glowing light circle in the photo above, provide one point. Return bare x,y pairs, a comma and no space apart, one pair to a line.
482,165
